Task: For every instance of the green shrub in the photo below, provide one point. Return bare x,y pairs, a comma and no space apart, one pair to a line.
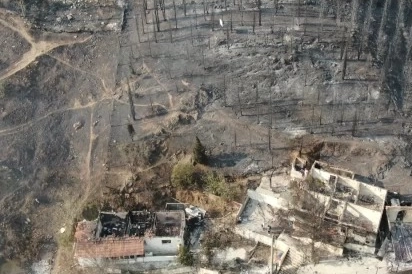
185,257
183,176
90,212
217,185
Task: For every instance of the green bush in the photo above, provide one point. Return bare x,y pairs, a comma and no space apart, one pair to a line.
185,257
217,185
183,176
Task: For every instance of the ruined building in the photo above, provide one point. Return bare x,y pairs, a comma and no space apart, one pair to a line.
130,237
312,214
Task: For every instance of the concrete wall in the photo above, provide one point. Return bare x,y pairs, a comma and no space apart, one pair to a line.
155,245
349,182
392,213
360,248
320,174
240,211
268,197
323,199
377,192
248,234
365,213
369,239
90,262
99,262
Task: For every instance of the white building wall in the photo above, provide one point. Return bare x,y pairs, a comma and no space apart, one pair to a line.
248,234
349,182
360,248
99,262
157,247
374,191
392,213
365,213
320,174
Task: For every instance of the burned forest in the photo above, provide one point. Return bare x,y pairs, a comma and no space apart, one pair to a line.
200,136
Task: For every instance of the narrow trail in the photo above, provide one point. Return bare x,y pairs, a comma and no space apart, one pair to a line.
106,90
13,130
88,163
38,48
141,105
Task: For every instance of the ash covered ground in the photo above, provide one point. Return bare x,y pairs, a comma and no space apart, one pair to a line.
102,97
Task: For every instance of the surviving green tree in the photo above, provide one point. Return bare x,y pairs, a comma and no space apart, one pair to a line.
199,153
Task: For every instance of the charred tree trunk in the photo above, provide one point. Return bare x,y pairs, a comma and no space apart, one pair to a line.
154,28
231,24
254,21
137,27
213,19
145,10
156,13
162,6
344,64
238,100
366,26
381,41
174,8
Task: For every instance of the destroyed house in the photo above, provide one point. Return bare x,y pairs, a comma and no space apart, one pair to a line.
129,235
353,206
291,205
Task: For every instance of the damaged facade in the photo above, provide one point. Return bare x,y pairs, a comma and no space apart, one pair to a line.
323,207
397,247
130,237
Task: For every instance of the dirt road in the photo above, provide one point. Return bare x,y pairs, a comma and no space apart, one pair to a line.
38,48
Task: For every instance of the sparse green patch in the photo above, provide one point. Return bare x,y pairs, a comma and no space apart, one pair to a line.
90,212
185,257
183,176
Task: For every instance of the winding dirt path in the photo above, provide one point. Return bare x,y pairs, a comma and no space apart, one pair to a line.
8,131
38,48
64,62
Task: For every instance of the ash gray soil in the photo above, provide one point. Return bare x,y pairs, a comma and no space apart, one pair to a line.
93,116
12,46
